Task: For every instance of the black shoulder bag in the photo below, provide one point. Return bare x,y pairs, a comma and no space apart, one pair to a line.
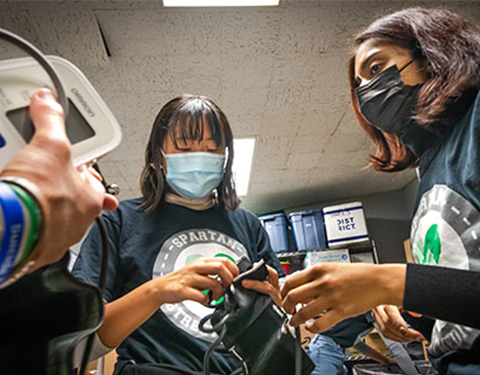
255,329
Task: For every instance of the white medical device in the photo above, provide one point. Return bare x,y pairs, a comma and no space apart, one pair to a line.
90,125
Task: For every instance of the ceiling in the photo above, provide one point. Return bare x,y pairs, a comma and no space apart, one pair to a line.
278,73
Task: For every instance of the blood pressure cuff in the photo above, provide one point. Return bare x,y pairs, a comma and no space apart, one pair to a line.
43,316
259,335
255,330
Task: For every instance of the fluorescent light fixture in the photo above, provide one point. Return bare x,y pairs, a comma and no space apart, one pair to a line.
219,3
242,163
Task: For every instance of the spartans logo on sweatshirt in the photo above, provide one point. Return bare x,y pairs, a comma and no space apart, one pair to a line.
446,232
178,251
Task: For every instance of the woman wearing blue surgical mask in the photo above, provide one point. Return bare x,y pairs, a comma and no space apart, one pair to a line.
415,81
174,244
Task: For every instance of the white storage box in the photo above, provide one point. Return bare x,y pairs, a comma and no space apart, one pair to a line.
345,224
327,256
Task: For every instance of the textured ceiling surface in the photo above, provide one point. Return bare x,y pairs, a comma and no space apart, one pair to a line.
278,73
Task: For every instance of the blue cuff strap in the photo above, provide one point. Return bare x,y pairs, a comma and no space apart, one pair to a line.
14,226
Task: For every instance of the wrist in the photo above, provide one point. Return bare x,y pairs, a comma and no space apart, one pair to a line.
391,278
155,290
20,223
37,259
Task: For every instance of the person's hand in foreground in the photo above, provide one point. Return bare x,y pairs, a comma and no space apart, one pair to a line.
392,325
70,198
332,292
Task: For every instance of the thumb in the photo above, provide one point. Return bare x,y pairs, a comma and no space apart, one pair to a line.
47,116
396,318
326,321
414,335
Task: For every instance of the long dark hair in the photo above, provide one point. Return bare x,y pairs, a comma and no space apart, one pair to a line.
451,45
186,117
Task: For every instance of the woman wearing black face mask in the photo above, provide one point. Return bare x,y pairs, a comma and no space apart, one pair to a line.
415,78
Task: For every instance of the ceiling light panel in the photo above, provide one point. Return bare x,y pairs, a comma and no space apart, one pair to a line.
219,3
242,163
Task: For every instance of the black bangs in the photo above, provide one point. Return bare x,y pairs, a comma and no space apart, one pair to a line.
191,120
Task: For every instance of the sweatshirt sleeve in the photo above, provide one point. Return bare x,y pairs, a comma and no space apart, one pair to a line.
88,265
443,293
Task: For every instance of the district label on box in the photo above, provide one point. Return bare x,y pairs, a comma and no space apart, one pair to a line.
345,224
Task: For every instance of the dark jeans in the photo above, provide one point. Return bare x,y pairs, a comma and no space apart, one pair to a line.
451,367
328,356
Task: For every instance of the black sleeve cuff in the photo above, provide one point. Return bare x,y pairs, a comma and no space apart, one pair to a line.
443,293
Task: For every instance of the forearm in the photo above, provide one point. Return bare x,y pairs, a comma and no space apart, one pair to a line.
126,314
390,280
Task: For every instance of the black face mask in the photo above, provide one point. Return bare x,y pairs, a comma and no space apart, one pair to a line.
386,102
389,105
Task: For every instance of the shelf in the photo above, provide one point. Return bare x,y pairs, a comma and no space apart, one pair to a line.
298,257
357,250
352,250
292,254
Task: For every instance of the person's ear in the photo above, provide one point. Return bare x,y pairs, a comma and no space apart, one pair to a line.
425,69
163,164
430,70
426,66
163,161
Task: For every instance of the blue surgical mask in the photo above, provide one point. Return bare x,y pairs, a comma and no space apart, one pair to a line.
194,175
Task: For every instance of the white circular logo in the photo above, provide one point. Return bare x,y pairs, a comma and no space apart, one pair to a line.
182,249
446,230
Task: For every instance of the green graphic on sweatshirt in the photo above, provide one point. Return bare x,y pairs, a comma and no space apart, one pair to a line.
194,257
428,250
432,246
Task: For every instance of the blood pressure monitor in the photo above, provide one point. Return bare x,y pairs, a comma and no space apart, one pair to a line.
90,125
